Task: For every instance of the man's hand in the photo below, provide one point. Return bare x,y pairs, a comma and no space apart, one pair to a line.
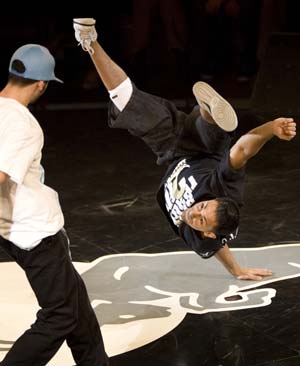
224,255
284,128
251,143
254,274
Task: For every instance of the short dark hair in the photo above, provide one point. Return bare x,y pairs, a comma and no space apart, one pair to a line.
19,80
228,216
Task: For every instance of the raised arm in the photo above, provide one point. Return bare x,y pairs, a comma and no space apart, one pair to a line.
224,255
250,144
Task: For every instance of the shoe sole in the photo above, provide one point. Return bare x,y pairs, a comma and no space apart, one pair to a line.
220,110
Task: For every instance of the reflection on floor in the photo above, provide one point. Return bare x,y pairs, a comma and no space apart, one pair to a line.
107,182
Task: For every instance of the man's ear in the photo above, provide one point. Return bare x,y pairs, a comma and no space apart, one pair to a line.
209,234
42,85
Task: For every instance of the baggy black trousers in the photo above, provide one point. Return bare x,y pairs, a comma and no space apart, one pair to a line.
65,310
171,134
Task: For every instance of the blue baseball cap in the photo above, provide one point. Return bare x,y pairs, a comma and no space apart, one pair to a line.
38,62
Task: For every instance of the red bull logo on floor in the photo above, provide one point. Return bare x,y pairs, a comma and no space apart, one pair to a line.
139,298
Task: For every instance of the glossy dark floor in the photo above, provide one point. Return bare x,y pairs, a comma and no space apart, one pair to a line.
91,166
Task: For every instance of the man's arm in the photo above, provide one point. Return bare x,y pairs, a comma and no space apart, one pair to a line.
250,144
225,256
3,177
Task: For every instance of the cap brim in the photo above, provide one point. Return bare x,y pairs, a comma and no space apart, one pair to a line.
58,80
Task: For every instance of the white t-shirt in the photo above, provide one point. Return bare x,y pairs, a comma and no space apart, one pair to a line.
29,210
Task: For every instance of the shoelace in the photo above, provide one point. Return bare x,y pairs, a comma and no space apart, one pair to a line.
85,43
85,38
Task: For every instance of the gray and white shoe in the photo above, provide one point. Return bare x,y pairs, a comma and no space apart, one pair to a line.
85,33
220,110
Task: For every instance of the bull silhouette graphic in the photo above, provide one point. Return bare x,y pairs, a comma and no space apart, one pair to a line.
138,298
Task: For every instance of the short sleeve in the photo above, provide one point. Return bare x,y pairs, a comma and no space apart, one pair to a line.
231,180
19,146
227,172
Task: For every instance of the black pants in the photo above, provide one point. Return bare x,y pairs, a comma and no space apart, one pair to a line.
66,312
171,134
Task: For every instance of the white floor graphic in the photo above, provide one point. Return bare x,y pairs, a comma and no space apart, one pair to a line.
138,298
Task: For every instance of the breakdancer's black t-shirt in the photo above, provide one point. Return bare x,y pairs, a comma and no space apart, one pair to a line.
192,178
196,179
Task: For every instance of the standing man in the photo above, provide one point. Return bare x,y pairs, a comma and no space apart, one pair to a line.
31,225
201,191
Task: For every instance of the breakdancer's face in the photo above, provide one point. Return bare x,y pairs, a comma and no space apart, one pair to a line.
202,216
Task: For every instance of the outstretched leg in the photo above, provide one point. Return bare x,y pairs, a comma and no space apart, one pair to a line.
202,134
168,132
110,73
210,124
155,120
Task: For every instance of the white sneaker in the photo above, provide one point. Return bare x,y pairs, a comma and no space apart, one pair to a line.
85,32
220,110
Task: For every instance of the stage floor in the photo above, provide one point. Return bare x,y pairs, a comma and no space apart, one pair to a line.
177,314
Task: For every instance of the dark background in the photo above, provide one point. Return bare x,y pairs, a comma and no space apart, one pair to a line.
162,67
93,167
